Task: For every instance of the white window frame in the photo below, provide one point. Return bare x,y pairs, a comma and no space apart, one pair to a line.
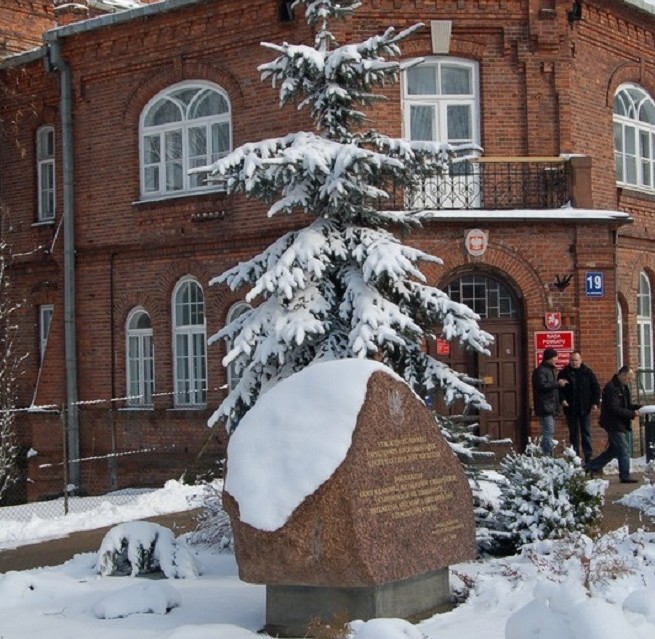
45,173
619,335
236,310
454,190
182,128
635,168
140,387
488,297
440,102
645,331
190,391
46,311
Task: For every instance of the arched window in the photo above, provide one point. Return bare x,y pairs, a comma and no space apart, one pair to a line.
140,359
184,127
235,311
487,297
189,339
45,172
645,333
634,137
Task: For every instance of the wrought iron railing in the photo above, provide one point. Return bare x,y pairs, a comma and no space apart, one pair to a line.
491,183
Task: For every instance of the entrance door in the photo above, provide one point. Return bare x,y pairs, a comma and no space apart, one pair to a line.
502,372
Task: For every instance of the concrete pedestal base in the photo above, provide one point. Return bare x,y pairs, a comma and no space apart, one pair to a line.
290,609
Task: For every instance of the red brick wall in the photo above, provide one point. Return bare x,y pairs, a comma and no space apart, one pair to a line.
21,24
538,97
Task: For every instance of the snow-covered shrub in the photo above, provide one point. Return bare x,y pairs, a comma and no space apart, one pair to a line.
595,563
384,629
139,547
144,598
544,498
214,528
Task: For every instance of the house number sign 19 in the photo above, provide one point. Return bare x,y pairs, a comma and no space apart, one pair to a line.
594,284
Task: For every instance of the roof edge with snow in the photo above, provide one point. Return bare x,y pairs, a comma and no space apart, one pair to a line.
567,214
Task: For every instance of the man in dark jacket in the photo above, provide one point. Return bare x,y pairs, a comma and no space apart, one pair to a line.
578,398
545,390
616,414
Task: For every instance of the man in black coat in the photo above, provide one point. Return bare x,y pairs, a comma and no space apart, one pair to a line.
579,398
616,414
545,390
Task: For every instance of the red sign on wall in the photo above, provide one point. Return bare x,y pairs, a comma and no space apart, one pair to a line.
443,346
561,341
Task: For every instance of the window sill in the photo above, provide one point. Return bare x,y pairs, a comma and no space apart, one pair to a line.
136,409
43,223
181,195
184,409
633,191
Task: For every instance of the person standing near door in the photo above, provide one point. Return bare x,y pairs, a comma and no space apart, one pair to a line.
616,414
545,390
579,398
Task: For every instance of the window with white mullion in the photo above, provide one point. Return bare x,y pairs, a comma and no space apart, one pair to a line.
645,151
645,332
191,371
45,152
197,152
152,170
174,160
441,104
193,123
140,376
634,137
46,312
189,343
619,335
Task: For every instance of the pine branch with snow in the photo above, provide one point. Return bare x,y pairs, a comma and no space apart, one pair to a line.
345,286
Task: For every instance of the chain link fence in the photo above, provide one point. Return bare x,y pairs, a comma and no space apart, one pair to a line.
125,454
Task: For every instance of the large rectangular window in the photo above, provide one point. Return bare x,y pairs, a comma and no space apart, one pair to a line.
46,312
45,169
441,104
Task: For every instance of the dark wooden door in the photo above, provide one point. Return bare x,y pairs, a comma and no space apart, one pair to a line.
504,384
502,372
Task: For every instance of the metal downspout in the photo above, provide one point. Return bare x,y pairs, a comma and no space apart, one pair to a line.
57,63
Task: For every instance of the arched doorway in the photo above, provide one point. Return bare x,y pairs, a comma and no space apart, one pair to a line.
503,371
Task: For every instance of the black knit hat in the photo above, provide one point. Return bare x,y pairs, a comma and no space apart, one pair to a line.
549,353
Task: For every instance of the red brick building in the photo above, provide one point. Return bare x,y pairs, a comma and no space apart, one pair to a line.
117,243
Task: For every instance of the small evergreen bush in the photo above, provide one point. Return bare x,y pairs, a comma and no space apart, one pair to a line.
544,498
140,547
214,528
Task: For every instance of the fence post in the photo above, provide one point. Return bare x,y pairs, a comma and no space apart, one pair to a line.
64,436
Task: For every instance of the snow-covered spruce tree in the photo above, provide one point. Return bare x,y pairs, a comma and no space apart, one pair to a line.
344,286
9,363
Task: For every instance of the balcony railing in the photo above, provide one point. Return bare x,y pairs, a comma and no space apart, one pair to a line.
492,183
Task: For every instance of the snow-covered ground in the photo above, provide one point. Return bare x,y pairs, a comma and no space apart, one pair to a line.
602,589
